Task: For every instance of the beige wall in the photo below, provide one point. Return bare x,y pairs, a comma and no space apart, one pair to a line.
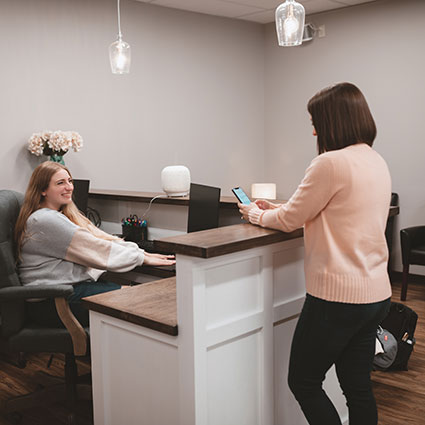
215,94
195,94
378,46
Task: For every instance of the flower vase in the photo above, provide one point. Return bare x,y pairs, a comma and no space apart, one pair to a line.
57,158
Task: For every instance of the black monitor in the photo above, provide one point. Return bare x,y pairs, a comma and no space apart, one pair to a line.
80,195
204,206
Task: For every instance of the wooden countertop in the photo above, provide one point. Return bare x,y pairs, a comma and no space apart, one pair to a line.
223,240
152,305
228,239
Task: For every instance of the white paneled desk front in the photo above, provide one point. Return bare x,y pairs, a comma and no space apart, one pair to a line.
236,298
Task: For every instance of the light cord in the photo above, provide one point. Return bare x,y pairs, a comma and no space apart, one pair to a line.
119,20
150,204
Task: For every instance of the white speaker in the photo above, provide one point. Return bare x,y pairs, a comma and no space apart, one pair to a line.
175,180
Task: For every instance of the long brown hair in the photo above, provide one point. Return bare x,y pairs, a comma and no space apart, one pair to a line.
39,182
341,117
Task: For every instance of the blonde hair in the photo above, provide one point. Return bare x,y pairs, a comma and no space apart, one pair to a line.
39,182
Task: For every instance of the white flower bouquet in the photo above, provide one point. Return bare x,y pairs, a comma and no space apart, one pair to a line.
54,143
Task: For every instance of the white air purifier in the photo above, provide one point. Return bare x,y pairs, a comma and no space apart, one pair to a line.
175,180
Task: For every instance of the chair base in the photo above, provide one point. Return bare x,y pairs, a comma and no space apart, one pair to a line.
18,360
52,389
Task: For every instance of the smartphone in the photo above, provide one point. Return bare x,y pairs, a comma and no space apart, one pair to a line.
241,195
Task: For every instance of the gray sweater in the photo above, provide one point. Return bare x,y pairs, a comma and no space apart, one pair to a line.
57,251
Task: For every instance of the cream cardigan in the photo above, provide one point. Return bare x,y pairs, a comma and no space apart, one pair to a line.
343,203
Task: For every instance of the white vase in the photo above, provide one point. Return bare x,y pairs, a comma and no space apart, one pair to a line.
175,180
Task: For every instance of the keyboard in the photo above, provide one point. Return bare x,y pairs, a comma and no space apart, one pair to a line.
147,245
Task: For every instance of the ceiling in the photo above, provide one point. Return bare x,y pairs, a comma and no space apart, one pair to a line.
261,11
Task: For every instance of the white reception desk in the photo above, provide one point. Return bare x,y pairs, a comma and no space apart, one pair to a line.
210,346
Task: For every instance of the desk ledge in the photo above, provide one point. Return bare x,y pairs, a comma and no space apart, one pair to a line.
152,305
223,240
228,239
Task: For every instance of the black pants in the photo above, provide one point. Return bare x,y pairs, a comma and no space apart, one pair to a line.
343,334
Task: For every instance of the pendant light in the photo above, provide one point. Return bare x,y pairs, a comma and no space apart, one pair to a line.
119,51
290,23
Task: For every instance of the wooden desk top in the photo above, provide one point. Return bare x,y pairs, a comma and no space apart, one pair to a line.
228,239
152,305
129,195
223,240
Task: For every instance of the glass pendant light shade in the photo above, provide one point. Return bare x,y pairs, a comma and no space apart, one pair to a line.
290,18
119,51
120,57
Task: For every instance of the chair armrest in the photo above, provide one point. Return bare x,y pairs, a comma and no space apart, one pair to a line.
411,238
78,334
59,293
36,291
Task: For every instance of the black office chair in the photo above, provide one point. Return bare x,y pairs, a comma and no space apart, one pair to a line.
412,252
18,335
389,231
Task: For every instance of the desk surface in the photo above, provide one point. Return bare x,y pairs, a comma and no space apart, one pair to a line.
129,195
223,240
228,239
152,305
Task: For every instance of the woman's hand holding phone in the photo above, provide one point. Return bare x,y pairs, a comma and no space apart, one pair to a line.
250,212
263,204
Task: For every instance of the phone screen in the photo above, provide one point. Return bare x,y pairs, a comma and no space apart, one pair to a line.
241,195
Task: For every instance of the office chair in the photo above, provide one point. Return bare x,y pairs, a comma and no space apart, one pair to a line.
412,252
389,231
18,335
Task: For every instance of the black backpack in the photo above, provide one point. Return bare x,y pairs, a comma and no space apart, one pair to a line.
401,322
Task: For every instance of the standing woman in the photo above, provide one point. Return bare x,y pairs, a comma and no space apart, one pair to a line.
56,244
343,204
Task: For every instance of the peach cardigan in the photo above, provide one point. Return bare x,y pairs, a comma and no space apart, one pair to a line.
343,203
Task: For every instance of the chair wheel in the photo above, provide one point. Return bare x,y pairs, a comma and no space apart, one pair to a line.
14,417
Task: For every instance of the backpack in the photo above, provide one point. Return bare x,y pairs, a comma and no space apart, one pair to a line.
401,322
385,350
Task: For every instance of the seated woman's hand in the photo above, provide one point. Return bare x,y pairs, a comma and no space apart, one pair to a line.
158,259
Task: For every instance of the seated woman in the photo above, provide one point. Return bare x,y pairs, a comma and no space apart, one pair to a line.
56,244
